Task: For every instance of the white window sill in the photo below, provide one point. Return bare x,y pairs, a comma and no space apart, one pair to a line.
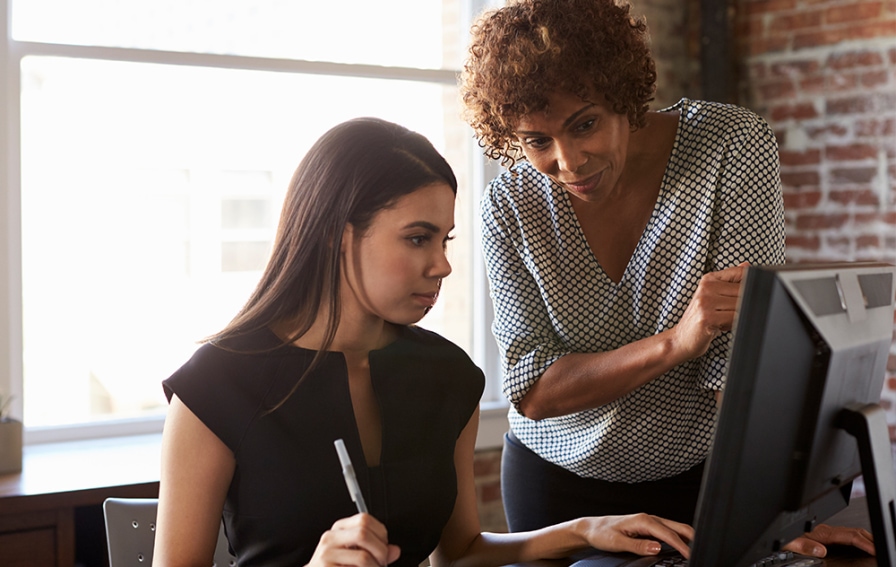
492,426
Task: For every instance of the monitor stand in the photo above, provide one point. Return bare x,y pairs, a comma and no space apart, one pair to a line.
869,426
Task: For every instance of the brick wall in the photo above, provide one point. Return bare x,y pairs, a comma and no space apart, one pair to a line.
487,468
823,72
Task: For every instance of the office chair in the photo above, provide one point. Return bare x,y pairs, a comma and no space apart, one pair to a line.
131,531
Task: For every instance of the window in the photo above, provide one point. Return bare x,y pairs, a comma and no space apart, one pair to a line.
149,147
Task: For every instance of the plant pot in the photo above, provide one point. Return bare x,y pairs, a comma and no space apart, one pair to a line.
10,446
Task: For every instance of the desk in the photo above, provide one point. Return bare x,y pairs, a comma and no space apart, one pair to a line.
49,512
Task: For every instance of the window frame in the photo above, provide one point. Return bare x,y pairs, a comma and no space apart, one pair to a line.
485,353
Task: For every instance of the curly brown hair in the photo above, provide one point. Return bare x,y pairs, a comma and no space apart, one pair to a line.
522,52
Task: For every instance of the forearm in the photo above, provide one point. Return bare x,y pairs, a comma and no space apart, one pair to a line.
580,381
493,549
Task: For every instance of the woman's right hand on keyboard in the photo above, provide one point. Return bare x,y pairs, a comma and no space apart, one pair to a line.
637,533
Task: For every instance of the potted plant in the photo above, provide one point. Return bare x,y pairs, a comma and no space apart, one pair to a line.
10,438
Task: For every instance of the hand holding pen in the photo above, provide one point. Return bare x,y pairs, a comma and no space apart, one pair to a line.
353,540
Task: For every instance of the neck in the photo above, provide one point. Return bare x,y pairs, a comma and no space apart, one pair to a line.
354,334
649,148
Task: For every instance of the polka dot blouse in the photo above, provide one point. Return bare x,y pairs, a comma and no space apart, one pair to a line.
719,204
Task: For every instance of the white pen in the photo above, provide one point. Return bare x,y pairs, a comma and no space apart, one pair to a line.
351,481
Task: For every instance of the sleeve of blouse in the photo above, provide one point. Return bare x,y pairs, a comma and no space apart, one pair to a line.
748,221
522,327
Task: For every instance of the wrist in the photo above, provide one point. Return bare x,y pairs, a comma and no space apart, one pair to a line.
674,348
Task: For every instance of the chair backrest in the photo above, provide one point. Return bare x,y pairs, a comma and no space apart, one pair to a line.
131,531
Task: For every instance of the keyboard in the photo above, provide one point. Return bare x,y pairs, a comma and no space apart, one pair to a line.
674,559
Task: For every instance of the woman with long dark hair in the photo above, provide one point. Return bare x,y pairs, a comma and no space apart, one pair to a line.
325,349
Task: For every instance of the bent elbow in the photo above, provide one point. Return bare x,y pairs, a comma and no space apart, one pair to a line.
531,409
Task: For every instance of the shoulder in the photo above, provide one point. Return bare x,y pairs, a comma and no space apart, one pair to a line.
514,197
240,349
431,343
719,119
519,183
226,362
426,349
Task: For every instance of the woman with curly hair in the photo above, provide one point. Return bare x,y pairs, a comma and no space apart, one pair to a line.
615,246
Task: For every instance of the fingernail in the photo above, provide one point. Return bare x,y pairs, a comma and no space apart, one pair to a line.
653,547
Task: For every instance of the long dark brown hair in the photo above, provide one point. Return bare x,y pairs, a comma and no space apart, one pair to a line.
352,172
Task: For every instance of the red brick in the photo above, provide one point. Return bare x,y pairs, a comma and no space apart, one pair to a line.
853,12
751,28
875,127
794,68
490,491
812,85
842,82
765,45
867,241
842,197
777,90
853,59
760,7
487,463
799,111
852,175
850,152
801,20
875,78
850,105
800,178
827,36
865,30
867,197
803,242
801,200
826,132
807,157
821,221
841,245
758,69
862,219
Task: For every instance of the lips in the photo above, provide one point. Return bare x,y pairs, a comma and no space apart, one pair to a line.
585,185
427,299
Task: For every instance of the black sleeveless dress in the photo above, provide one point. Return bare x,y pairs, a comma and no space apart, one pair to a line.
288,488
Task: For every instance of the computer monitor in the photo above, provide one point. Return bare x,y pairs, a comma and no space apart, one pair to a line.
800,416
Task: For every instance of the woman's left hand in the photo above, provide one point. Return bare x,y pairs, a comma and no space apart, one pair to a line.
813,543
637,533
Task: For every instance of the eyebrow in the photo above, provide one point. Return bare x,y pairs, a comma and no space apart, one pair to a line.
572,118
427,225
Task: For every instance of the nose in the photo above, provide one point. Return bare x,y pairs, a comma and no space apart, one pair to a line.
569,157
440,267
